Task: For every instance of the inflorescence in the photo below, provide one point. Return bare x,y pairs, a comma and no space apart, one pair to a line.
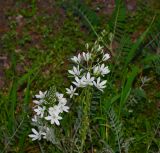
89,69
48,109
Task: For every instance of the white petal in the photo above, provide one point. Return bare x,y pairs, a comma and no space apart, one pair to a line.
103,82
48,118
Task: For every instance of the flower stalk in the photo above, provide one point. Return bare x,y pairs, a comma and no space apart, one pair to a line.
86,102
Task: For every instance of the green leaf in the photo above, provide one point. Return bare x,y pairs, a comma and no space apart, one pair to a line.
12,106
137,44
127,86
118,20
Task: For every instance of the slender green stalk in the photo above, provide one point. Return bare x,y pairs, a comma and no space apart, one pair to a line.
86,101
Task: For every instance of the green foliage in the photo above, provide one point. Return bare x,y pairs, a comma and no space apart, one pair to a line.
85,97
117,20
82,10
117,129
126,87
16,123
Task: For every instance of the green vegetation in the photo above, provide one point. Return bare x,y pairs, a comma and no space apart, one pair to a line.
41,38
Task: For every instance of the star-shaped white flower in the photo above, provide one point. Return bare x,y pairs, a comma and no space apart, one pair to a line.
80,82
54,115
63,107
104,70
105,57
77,59
100,85
40,111
41,95
86,56
88,79
60,98
96,70
36,135
38,102
71,91
46,132
59,95
54,110
75,71
34,119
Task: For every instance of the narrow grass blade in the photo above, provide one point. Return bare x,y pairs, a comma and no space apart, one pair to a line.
127,87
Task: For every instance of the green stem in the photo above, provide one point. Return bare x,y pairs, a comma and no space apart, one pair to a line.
86,100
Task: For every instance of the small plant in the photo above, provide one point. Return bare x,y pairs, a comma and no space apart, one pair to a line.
90,68
49,106
88,74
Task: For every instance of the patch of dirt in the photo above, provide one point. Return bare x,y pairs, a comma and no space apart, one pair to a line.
4,64
5,5
107,6
11,10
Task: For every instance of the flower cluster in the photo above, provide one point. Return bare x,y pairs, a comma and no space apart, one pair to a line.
89,69
48,108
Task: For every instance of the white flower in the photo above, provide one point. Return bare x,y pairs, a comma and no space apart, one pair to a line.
80,82
96,70
59,95
38,102
101,70
75,71
104,70
41,95
100,85
60,98
46,132
44,135
63,107
40,111
36,135
54,115
86,56
88,79
34,119
71,91
54,110
105,57
77,59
